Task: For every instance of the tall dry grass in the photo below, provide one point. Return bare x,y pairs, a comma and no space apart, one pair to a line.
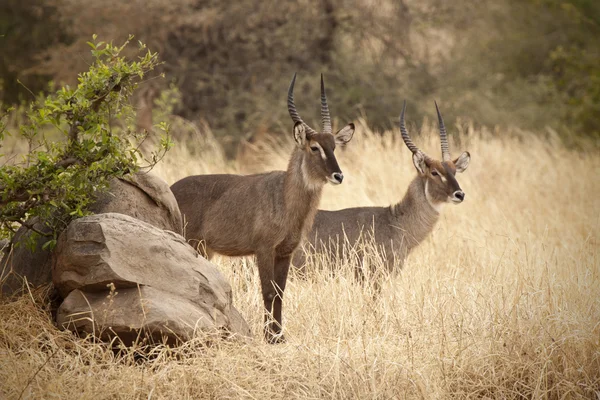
502,301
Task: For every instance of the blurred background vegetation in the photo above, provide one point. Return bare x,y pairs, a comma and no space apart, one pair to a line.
531,64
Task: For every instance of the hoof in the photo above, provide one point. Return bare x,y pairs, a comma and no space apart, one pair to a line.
275,338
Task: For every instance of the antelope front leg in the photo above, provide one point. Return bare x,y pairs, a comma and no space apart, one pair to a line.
282,266
266,270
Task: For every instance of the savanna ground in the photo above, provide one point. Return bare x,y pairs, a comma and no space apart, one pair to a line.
501,301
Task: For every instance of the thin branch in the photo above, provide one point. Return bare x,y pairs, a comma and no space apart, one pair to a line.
24,195
74,131
146,134
34,229
10,228
38,371
26,88
9,159
17,197
67,162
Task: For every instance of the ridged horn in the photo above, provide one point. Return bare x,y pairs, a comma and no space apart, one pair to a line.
407,140
292,108
325,117
443,135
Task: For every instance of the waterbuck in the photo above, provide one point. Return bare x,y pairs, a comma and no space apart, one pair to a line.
265,214
397,229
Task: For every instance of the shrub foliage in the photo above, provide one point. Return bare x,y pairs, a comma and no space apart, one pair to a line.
79,140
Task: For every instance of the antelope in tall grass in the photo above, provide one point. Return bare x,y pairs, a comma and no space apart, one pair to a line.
265,214
399,228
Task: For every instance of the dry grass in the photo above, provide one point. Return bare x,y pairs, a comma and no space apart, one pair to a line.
502,301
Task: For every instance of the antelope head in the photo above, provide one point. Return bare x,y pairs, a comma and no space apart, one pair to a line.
441,185
319,164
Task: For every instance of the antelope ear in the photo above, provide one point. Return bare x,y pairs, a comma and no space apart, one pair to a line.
300,134
462,162
345,134
419,161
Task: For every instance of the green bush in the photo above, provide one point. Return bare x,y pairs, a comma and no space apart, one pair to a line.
58,179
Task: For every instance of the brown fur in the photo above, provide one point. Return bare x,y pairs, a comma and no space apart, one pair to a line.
263,214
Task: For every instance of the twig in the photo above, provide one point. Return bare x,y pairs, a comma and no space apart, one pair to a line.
26,88
37,372
24,195
67,162
32,228
74,131
18,197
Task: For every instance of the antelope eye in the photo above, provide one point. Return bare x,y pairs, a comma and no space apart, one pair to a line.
314,149
434,173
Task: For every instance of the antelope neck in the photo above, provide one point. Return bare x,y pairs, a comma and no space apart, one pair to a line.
301,195
414,214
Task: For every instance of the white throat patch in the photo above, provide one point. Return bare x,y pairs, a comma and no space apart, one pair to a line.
308,182
436,206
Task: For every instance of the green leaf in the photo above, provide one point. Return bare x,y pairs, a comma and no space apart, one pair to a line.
50,244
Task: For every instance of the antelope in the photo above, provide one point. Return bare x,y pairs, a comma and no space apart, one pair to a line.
399,228
266,214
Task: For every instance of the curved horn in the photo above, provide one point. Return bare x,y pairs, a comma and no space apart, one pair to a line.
292,108
443,135
325,117
411,146
407,140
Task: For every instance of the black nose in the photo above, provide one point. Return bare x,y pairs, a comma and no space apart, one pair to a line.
459,195
338,176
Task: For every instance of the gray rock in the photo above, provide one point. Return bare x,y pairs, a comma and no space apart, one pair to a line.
142,314
144,196
105,249
22,263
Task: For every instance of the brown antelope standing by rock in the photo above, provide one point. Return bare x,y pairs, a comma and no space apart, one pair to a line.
265,214
399,228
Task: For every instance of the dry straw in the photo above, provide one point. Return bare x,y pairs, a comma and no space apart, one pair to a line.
502,301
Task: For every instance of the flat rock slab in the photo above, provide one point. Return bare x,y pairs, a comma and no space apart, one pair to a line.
143,314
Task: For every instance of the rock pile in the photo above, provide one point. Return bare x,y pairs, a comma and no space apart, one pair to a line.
127,271
119,275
